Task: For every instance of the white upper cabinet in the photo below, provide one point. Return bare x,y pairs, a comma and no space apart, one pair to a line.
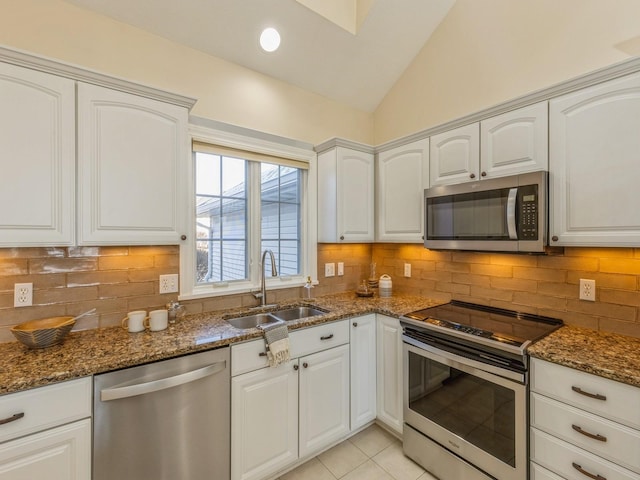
593,165
345,196
131,153
455,155
402,176
37,148
515,142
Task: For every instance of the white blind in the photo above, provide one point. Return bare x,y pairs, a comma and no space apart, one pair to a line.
247,155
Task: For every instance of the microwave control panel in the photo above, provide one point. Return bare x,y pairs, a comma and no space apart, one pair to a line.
528,212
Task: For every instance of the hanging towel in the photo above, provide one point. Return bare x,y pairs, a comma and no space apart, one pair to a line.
276,336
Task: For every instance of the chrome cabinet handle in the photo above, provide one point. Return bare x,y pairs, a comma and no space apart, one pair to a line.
341,237
305,365
296,367
473,175
484,174
595,436
12,418
597,396
554,238
327,337
588,474
161,384
355,324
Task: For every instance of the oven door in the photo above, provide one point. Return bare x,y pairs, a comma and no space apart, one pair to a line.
477,415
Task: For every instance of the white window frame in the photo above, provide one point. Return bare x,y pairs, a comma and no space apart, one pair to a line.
189,289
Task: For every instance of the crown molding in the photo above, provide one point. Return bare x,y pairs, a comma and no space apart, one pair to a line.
341,142
43,64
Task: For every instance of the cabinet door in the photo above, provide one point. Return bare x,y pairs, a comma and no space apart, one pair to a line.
455,155
324,398
264,421
594,146
131,156
363,370
389,362
62,453
37,147
402,176
515,142
355,196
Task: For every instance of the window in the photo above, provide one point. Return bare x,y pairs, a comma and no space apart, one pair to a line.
245,203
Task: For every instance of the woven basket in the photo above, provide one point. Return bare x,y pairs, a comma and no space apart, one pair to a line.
43,333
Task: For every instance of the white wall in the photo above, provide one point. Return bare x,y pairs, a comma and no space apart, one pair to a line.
226,92
489,51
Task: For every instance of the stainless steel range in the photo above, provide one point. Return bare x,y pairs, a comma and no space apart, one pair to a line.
465,398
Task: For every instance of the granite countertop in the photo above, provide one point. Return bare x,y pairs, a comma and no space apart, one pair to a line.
102,350
604,354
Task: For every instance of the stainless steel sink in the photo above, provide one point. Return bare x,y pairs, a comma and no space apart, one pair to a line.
296,313
252,321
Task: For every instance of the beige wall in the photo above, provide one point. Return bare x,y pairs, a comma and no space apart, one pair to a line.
225,92
489,51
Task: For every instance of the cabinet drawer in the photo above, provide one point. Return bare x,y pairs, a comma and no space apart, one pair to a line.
541,473
617,443
320,337
249,356
620,401
565,459
45,407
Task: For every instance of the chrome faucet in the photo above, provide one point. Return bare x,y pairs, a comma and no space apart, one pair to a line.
274,272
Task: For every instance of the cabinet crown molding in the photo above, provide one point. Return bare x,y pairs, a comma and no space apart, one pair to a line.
341,142
43,64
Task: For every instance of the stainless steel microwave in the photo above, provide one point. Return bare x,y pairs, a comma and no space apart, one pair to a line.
507,214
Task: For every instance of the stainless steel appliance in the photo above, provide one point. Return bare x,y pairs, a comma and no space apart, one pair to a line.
465,399
164,421
507,214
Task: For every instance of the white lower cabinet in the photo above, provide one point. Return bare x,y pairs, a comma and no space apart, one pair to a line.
389,363
46,432
324,398
280,414
582,426
363,370
62,453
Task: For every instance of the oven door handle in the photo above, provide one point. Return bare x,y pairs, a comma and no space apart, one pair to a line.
511,214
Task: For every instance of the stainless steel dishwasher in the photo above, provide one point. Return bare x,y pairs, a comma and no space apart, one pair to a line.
168,420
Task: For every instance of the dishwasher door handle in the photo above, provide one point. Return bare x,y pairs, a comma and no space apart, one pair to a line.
161,384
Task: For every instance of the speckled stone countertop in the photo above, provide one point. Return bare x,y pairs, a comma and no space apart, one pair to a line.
96,351
604,354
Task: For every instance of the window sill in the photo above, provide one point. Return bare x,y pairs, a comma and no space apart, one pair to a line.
231,289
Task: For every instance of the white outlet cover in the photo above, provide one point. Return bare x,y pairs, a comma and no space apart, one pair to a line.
587,289
23,295
169,283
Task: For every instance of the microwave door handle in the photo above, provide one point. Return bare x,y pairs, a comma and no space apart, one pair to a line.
511,214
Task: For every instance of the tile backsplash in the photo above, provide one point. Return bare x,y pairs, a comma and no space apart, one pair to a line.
115,280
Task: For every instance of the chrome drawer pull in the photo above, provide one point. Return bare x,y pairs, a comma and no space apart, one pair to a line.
12,418
328,337
597,396
595,436
584,472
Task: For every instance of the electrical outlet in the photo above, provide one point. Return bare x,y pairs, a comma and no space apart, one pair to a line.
340,269
23,295
329,269
407,270
169,283
587,290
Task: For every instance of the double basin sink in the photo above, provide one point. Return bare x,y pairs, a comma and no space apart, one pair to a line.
284,315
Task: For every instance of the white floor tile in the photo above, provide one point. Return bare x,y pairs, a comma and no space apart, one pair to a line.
342,458
368,471
311,470
373,440
392,460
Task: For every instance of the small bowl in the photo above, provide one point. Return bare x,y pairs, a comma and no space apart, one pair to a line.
44,332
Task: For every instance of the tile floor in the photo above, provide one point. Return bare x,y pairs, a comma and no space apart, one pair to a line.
372,454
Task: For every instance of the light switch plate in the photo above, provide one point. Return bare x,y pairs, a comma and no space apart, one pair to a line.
340,269
407,270
329,269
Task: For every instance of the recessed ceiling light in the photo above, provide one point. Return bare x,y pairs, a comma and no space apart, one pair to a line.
269,39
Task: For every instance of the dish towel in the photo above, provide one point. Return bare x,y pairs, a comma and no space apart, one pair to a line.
276,336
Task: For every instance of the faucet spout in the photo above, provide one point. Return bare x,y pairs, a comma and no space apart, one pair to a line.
274,273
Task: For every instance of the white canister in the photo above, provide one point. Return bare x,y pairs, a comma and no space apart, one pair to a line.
384,286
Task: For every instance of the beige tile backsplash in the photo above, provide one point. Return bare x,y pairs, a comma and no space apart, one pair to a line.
115,280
